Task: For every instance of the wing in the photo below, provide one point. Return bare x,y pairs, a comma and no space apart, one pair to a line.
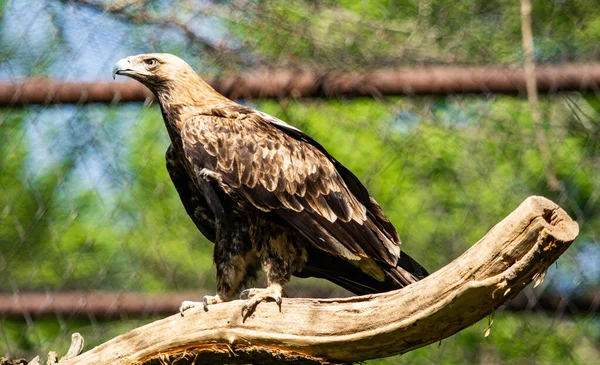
276,168
193,201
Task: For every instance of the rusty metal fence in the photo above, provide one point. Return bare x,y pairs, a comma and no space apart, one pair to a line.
425,101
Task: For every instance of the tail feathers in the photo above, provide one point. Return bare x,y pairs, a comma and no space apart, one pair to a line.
341,272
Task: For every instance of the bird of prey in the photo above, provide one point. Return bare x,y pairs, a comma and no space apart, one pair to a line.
266,194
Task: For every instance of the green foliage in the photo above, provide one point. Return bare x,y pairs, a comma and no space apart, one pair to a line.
76,235
364,34
26,233
571,341
43,335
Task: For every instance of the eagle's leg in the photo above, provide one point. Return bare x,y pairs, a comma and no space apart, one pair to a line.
232,255
282,254
278,274
227,280
235,266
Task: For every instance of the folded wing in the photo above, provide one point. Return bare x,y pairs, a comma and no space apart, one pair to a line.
276,168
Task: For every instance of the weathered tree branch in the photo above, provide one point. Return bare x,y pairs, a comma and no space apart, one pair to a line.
513,253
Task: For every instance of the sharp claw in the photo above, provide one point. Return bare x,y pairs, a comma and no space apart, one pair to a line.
278,301
185,305
244,307
244,294
205,303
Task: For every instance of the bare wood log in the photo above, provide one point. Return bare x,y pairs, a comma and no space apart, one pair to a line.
440,80
513,253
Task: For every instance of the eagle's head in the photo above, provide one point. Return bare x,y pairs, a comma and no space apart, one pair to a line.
167,76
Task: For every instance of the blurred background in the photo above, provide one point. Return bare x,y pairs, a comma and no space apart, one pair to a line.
94,239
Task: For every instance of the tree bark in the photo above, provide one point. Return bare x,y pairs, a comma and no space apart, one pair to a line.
310,331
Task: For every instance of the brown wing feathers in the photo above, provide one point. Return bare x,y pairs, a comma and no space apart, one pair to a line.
280,172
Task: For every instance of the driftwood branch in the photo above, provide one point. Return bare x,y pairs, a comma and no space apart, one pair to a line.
513,253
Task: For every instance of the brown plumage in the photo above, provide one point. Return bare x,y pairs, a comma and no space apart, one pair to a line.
267,194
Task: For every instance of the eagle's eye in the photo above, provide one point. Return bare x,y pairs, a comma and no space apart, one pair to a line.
151,62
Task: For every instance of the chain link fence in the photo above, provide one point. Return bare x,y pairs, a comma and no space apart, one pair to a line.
94,239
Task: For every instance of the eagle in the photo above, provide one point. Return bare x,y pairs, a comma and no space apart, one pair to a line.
267,195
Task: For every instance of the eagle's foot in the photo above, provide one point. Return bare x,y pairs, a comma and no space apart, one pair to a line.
256,295
206,300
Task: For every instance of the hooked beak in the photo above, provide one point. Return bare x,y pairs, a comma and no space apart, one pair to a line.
123,67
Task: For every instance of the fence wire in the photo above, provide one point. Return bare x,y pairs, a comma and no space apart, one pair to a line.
94,239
